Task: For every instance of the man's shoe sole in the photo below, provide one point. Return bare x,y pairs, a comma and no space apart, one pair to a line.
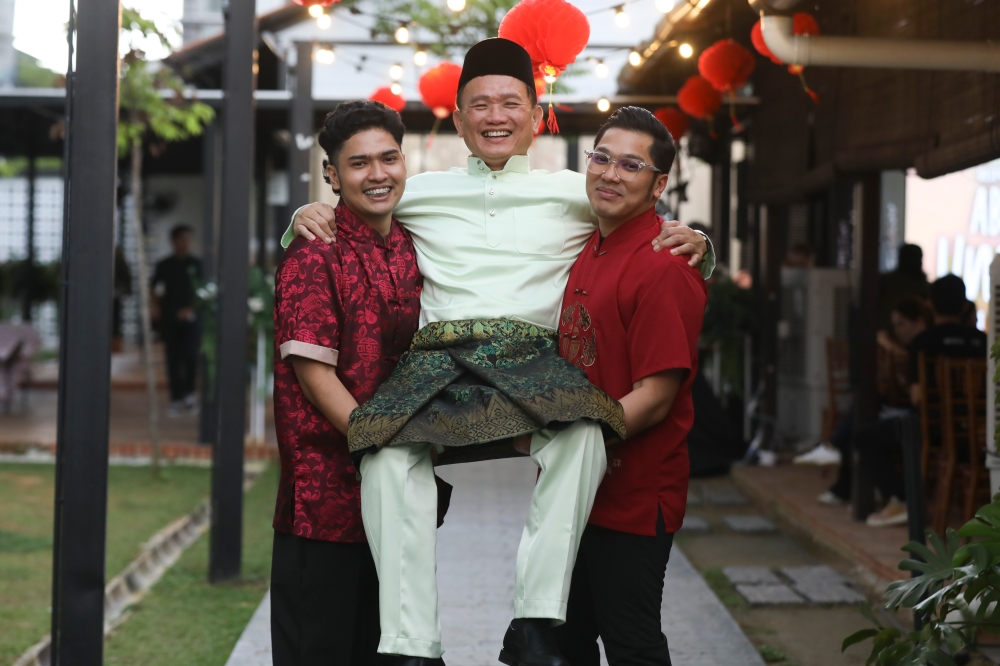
508,658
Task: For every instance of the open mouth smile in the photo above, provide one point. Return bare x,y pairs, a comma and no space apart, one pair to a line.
496,134
378,192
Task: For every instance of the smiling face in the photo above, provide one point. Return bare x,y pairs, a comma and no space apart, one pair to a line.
370,172
496,118
616,200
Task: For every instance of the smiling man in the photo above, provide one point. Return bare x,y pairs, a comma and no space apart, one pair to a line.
495,242
631,320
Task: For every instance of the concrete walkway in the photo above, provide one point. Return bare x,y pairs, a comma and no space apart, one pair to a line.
476,550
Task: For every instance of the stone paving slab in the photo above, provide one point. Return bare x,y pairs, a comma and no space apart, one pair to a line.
476,550
809,575
822,585
769,595
751,576
752,524
695,525
717,495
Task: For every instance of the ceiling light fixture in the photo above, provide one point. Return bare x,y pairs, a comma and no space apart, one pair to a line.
665,6
603,105
456,5
634,59
323,21
324,56
601,70
315,11
621,18
403,34
396,89
396,72
420,58
686,50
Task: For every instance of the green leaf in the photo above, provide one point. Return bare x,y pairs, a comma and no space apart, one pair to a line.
866,612
857,637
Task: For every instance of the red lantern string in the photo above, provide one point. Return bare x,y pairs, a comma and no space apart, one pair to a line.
674,120
438,88
727,66
699,99
389,98
553,32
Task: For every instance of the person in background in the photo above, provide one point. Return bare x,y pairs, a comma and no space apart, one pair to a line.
172,306
907,280
947,337
910,317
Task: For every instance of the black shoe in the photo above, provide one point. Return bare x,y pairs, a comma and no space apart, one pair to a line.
403,660
531,642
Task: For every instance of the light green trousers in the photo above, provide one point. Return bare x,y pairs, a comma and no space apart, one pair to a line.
399,508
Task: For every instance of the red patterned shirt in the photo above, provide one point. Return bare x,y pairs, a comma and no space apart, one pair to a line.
353,304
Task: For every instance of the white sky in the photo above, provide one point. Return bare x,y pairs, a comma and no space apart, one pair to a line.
39,30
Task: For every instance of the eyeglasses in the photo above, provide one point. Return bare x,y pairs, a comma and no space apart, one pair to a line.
627,168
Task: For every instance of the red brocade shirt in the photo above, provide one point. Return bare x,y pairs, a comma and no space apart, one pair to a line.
629,313
353,304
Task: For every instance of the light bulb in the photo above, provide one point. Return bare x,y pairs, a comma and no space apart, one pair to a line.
549,79
396,72
634,59
601,69
396,89
325,56
456,5
403,34
603,105
665,5
621,18
420,58
323,21
315,11
686,50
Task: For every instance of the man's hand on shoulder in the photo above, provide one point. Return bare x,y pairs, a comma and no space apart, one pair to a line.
684,241
316,220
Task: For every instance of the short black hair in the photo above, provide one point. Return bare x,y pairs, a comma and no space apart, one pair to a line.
948,295
350,118
911,259
636,119
532,95
179,229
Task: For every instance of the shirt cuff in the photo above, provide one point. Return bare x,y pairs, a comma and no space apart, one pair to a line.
310,351
289,235
707,265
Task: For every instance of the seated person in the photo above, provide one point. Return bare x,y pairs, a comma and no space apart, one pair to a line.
948,337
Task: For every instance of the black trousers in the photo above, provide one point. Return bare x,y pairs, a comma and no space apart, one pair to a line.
616,593
324,603
181,340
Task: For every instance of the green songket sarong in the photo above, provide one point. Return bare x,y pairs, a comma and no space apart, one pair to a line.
469,386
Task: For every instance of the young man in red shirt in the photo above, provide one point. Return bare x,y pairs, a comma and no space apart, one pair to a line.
631,319
343,315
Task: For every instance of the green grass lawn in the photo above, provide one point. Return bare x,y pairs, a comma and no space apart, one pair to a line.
184,620
138,506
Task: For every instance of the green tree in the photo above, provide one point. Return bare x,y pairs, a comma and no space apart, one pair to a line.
480,19
152,107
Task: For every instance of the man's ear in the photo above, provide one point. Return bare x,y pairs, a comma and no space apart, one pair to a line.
331,173
659,185
536,116
456,117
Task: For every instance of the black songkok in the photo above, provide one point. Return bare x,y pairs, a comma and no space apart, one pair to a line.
498,56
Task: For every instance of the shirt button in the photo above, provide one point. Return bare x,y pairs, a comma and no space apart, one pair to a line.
494,176
491,191
493,213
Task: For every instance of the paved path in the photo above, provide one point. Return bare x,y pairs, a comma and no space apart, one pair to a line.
476,549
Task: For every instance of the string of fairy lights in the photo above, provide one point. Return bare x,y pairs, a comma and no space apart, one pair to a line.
403,35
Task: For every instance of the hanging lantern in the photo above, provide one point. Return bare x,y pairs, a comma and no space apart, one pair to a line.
553,32
698,98
802,24
727,66
674,120
438,88
389,98
316,3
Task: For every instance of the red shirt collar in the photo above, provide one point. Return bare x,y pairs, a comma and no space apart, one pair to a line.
638,223
354,228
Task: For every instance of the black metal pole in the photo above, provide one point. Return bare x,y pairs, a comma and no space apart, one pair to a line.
573,153
300,121
30,284
234,242
721,210
867,202
85,340
208,419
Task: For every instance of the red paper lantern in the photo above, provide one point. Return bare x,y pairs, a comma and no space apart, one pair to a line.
438,88
698,98
553,32
674,120
803,24
321,3
726,65
389,98
757,37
